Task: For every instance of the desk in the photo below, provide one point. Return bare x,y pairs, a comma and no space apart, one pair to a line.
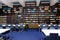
4,30
48,31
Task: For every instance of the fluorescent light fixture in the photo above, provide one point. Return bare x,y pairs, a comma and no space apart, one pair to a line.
37,2
53,2
7,2
22,2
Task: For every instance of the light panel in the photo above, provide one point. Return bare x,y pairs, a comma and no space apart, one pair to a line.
7,2
22,2
37,2
53,2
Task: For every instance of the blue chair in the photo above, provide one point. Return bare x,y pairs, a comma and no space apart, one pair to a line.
45,26
5,37
16,27
40,27
4,26
21,26
0,25
13,27
49,25
8,25
58,25
55,26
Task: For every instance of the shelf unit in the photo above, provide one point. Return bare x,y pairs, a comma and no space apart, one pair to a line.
58,13
3,19
30,13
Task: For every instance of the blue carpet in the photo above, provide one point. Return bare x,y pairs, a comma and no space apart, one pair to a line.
26,35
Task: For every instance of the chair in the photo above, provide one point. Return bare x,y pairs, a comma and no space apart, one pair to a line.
53,36
1,38
22,27
40,27
13,28
45,26
4,26
16,27
55,26
0,25
49,26
9,25
58,26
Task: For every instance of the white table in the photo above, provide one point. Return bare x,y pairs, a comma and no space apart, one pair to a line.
4,30
48,31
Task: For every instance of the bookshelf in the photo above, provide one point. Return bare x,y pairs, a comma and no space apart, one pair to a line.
3,19
44,12
30,13
58,13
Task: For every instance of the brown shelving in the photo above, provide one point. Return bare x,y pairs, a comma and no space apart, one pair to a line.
30,13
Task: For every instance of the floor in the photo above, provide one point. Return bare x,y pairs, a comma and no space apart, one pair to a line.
30,34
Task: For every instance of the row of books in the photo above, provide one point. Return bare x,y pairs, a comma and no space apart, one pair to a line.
3,19
31,14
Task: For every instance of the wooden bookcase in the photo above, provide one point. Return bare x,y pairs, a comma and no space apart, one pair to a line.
30,13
